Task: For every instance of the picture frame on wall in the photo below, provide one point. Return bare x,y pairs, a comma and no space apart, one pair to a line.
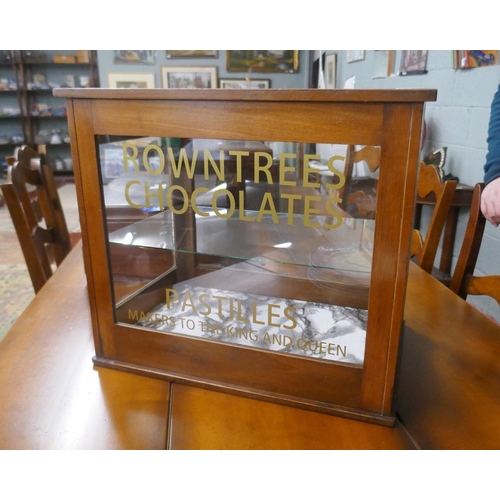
190,54
134,57
354,55
413,62
112,162
330,71
465,59
131,80
262,61
236,83
189,77
383,63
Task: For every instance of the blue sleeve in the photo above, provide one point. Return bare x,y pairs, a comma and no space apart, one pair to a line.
492,165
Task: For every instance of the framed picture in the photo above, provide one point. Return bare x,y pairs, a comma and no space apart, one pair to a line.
354,55
184,54
189,77
413,62
112,162
134,56
474,58
263,61
131,80
383,63
330,71
235,83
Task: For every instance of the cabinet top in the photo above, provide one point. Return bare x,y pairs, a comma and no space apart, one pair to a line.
296,95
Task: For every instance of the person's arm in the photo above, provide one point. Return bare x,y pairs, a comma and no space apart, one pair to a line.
490,199
490,202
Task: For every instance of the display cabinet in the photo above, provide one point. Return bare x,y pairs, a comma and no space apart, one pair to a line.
217,252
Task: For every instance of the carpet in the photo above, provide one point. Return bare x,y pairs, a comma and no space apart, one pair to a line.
16,289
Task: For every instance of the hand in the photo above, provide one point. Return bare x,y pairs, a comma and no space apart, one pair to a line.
490,202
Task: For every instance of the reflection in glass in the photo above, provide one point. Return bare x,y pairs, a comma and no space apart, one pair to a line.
245,242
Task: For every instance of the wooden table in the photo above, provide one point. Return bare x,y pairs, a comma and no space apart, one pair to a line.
53,397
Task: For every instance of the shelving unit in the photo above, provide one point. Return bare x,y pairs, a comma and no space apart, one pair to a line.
29,113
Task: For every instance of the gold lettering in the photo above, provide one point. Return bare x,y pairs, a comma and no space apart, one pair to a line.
232,204
335,213
145,159
193,201
183,160
219,303
134,315
127,157
171,296
241,201
254,314
310,170
203,303
179,199
218,169
127,194
271,314
188,302
290,210
337,172
170,200
246,320
262,168
308,211
287,312
239,155
271,210
148,195
286,168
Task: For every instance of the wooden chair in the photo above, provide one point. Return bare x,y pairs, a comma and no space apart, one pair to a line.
36,211
463,281
429,182
359,197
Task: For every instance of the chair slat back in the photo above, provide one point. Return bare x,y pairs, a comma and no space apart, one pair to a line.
463,281
429,181
364,203
36,211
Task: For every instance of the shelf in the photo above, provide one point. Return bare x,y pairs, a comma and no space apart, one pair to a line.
54,64
67,144
30,98
47,116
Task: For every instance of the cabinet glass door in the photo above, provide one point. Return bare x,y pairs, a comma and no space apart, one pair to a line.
260,244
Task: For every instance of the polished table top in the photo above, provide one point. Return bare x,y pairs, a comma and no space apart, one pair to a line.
53,397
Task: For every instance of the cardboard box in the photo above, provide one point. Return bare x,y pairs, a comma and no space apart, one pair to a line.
82,56
64,59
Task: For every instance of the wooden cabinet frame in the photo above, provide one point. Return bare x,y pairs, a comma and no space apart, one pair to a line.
391,119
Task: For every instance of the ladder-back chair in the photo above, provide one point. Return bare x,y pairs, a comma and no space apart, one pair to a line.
360,201
463,281
424,250
37,215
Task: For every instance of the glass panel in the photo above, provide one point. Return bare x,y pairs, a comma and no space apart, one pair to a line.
266,245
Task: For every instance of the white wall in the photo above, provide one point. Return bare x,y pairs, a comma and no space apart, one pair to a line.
457,120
